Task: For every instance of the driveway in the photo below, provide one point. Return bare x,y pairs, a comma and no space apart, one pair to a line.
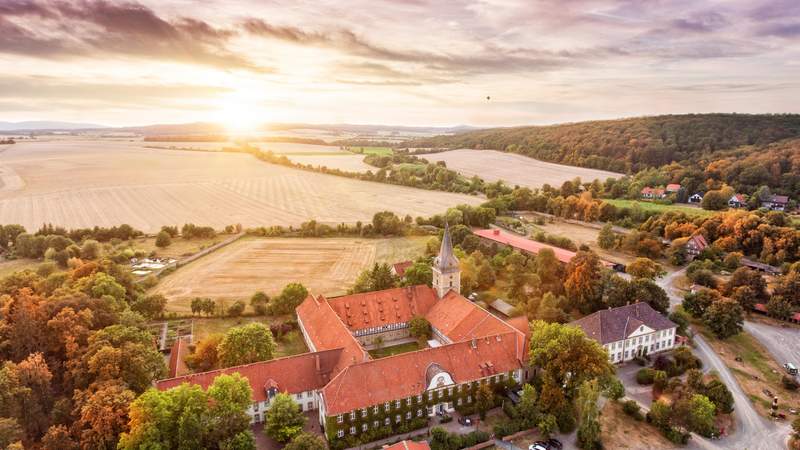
753,432
782,342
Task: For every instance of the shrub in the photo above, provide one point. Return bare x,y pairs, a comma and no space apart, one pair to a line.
506,427
676,436
615,389
645,376
236,309
632,409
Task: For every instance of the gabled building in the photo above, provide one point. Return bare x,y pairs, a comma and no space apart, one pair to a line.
697,197
673,188
399,269
737,201
629,331
649,193
775,202
695,245
355,395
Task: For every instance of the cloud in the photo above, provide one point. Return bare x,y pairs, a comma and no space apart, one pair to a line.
80,28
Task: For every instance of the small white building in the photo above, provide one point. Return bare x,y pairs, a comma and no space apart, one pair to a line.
630,331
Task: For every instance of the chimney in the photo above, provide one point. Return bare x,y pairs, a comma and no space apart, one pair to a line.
474,343
316,362
496,232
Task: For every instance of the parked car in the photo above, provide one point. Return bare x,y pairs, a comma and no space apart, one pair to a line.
541,445
554,444
465,420
790,368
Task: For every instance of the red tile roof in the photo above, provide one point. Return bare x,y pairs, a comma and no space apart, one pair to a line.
401,376
674,187
400,268
739,198
177,356
408,445
647,190
459,319
326,331
374,309
524,244
699,241
292,374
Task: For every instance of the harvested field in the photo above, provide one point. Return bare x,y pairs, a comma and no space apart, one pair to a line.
83,183
325,266
514,169
347,162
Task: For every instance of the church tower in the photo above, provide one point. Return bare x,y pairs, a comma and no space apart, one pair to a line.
446,273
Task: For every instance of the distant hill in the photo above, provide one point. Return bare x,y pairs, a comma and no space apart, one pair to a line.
38,125
629,145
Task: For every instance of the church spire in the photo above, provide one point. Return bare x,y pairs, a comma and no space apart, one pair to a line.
446,272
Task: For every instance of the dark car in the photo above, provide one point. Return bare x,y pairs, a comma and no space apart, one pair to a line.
554,444
464,420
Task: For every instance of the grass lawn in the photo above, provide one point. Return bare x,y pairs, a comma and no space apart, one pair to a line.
394,350
290,344
178,248
15,265
650,206
381,151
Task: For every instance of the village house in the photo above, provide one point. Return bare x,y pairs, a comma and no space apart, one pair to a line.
673,188
695,245
399,269
737,201
649,193
775,202
357,395
629,331
697,197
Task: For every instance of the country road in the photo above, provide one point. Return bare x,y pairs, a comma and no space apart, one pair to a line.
753,432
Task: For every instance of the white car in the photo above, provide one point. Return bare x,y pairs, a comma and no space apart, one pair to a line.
536,447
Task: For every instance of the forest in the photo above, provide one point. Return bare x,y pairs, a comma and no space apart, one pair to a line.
741,150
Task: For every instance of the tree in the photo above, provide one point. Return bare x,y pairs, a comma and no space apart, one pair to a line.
187,417
236,309
150,306
420,328
744,276
680,318
547,425
583,282
778,307
701,414
645,268
58,437
660,414
306,441
126,353
724,318
615,389
246,344
696,303
206,353
648,291
90,249
284,420
163,239
102,412
418,274
527,408
720,395
589,428
549,309
259,302
290,298
566,356
484,399
10,431
607,239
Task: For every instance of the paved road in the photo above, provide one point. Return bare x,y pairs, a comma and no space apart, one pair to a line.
753,432
782,342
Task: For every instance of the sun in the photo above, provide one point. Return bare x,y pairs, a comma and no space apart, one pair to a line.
240,113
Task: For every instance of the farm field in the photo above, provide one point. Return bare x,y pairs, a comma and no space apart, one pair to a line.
346,161
650,206
179,247
7,267
514,169
83,183
326,266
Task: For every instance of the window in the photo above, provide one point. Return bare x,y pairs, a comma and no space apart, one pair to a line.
419,413
339,418
352,430
340,433
376,424
375,409
352,415
387,421
397,404
310,406
430,395
255,406
469,399
397,418
438,394
626,353
449,391
408,415
419,398
363,412
502,376
299,396
460,401
364,427
386,406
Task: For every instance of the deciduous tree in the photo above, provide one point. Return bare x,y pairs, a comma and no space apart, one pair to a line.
246,344
724,318
284,420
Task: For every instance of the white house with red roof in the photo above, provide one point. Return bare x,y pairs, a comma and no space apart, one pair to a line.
357,395
737,201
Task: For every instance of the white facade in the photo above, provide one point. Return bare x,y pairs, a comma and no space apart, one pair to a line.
308,401
643,341
447,281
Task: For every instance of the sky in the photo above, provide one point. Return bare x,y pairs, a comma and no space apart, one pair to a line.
409,62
